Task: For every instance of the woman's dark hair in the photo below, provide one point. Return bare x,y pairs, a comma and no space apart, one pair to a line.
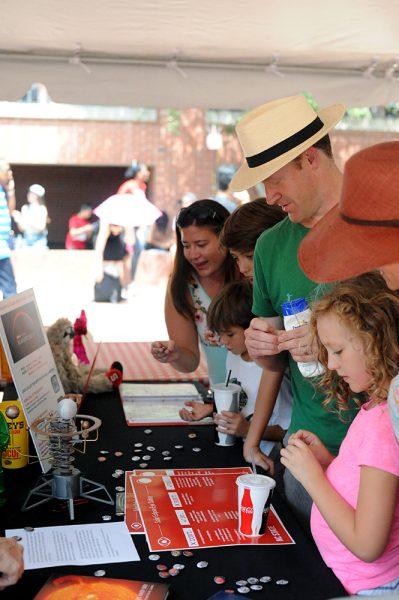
244,226
132,170
232,307
208,214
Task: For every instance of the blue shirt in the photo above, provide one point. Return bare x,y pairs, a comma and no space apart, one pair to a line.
5,225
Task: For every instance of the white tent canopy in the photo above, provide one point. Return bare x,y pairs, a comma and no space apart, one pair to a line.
210,54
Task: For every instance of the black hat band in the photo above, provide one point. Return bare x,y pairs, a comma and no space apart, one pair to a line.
286,145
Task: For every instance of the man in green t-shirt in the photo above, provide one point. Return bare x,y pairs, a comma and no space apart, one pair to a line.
287,148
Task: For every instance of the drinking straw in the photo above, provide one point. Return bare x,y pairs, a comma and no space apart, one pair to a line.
86,384
228,378
253,462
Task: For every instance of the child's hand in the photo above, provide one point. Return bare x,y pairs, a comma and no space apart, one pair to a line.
198,411
231,423
260,459
319,450
300,460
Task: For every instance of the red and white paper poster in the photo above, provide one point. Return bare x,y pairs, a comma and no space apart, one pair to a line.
196,511
132,514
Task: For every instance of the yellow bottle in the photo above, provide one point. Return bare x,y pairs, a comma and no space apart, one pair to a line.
15,455
5,372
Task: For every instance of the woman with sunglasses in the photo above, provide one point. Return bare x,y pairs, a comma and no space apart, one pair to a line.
201,269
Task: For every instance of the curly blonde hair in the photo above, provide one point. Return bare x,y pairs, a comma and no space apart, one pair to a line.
370,311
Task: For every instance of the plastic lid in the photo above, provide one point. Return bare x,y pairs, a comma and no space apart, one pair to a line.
292,307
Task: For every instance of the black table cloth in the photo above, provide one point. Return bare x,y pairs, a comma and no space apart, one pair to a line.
300,564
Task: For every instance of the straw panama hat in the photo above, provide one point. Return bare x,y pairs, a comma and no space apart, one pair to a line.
361,233
273,134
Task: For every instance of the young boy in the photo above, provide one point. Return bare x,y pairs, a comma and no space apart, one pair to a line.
229,315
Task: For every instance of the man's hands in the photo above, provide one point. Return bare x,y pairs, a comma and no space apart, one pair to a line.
231,423
198,411
165,352
261,339
299,343
11,562
260,459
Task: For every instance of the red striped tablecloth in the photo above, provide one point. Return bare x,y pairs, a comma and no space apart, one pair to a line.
138,363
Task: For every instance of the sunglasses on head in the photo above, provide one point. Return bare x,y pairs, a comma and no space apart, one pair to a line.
189,214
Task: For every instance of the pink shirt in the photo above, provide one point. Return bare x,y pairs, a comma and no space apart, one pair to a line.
370,441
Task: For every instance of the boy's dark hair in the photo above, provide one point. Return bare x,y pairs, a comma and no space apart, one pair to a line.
243,227
232,307
85,206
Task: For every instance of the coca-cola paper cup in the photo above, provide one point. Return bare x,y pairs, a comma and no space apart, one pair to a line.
254,496
226,398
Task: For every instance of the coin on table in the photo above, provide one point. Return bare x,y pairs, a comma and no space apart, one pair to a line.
192,435
188,553
179,566
162,567
119,471
146,457
99,573
256,587
202,564
118,453
165,452
196,449
243,590
167,458
147,431
143,465
282,582
101,458
154,557
104,451
138,450
241,582
120,514
252,580
119,488
106,517
150,448
29,528
138,445
176,552
134,458
116,475
179,447
219,579
163,574
265,579
173,572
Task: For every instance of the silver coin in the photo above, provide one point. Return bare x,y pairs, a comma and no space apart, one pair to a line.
106,517
167,458
143,465
138,445
119,488
179,447
252,580
116,475
243,590
165,452
29,528
147,431
120,514
104,451
196,449
134,458
146,457
256,587
119,471
154,557
176,552
241,582
202,564
99,573
265,579
192,435
282,582
138,450
150,448
179,566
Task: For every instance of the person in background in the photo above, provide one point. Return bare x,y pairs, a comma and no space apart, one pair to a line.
11,562
81,229
223,195
33,218
229,315
355,512
201,268
157,237
7,206
110,253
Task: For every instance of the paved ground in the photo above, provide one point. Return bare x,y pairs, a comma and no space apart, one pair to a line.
63,284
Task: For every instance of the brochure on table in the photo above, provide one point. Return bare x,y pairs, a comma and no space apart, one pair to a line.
93,544
196,511
146,404
132,515
31,362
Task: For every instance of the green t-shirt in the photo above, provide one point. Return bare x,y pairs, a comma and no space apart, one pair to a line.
277,278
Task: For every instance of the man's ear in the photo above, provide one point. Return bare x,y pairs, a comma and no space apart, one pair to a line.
312,157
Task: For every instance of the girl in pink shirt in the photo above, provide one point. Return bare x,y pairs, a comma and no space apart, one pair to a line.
355,513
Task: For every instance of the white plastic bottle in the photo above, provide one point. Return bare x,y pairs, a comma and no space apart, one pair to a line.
297,313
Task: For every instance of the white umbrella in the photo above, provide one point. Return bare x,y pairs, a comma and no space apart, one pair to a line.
128,210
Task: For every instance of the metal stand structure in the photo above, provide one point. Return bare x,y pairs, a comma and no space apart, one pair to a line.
65,482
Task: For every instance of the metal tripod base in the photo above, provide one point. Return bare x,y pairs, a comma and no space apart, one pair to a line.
67,487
